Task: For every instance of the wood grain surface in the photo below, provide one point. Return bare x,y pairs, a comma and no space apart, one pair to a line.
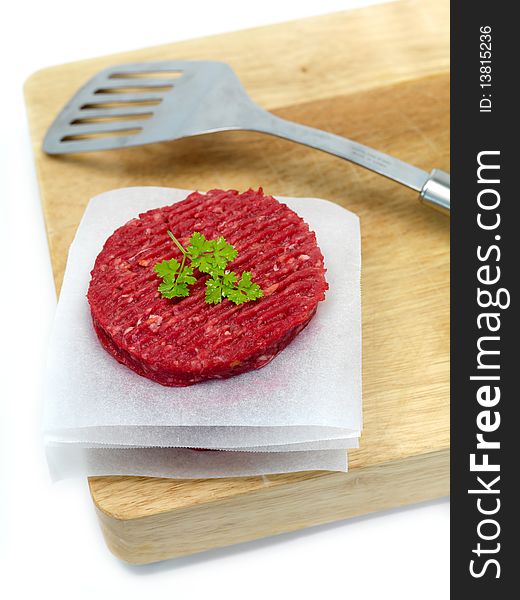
380,76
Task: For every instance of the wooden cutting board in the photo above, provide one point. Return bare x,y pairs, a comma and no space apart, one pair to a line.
379,75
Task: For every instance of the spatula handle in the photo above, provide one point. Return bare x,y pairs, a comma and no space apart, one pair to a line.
434,187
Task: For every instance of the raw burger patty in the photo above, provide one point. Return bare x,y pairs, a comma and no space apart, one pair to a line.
180,342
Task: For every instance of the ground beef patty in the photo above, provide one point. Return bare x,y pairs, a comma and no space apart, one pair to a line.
183,341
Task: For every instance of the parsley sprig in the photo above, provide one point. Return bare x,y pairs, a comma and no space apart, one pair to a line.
210,257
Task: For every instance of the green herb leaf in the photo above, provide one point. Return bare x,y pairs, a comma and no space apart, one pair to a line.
169,289
211,257
199,245
214,291
223,253
186,276
167,268
245,291
204,263
229,278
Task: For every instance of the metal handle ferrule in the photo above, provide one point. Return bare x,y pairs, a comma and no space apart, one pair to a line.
436,191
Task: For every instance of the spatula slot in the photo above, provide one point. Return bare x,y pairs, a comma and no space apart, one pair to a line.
114,118
147,75
128,104
142,89
100,134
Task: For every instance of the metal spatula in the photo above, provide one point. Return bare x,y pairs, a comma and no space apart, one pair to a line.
142,103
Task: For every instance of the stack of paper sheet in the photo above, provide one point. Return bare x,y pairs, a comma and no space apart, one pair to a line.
300,412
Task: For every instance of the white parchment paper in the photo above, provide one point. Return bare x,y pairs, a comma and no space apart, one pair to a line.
183,463
307,398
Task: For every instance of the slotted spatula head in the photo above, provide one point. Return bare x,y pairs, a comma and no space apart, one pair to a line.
143,103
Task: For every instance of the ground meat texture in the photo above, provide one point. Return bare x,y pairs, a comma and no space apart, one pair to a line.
184,341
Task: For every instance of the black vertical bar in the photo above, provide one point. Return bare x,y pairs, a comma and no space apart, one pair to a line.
485,248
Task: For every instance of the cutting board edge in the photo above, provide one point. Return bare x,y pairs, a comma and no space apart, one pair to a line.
275,510
281,481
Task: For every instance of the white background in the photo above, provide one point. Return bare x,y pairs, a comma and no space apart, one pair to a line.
50,543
